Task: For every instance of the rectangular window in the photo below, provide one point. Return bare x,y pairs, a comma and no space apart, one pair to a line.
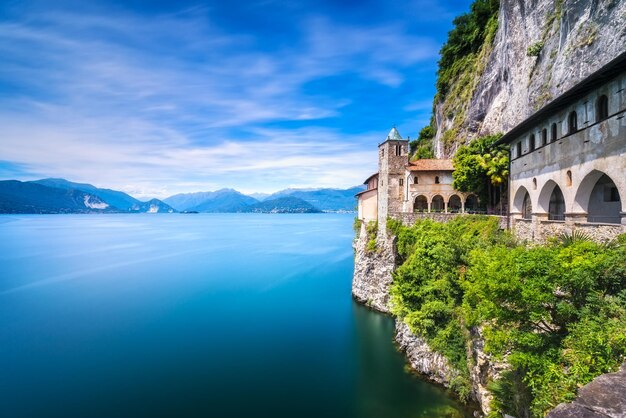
401,182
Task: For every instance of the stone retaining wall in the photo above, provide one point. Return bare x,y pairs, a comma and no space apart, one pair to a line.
409,218
540,231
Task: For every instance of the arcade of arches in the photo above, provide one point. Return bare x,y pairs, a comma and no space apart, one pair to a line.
456,203
595,199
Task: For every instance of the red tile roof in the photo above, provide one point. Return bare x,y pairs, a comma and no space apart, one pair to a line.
365,191
430,165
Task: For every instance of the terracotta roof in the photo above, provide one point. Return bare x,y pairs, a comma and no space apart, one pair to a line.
430,165
370,177
365,191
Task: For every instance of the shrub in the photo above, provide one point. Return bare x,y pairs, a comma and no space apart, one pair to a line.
555,312
372,232
535,49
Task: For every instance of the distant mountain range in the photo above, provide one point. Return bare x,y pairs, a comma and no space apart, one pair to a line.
62,196
54,195
229,200
324,199
224,200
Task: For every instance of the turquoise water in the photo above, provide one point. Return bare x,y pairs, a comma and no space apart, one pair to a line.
194,315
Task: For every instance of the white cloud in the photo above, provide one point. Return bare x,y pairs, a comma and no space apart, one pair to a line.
166,104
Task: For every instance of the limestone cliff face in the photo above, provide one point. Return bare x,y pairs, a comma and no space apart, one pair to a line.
568,40
372,270
604,397
370,285
483,369
422,358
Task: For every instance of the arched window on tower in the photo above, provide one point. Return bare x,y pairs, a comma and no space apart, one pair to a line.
602,108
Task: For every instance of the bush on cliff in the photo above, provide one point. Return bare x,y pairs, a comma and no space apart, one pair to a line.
556,313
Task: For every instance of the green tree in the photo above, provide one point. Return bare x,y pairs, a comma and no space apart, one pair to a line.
482,168
422,147
466,38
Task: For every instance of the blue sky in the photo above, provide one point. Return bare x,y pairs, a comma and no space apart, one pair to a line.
156,98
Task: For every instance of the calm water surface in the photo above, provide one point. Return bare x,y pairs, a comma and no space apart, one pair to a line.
194,315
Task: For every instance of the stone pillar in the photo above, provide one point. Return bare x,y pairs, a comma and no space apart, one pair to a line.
428,203
462,206
537,226
513,217
445,207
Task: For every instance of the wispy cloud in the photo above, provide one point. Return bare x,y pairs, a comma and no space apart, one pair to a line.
163,103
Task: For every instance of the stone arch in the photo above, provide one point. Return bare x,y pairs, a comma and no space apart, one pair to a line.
556,205
471,203
599,197
546,195
454,204
437,203
518,200
420,204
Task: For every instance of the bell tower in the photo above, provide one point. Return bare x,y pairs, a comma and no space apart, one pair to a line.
393,156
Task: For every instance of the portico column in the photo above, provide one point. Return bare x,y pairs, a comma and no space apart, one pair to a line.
462,206
445,206
428,203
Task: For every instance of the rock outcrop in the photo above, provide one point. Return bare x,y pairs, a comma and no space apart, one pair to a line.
604,397
422,358
483,369
541,49
373,269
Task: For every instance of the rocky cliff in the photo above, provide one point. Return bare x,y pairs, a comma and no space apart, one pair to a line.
604,397
373,266
373,274
541,49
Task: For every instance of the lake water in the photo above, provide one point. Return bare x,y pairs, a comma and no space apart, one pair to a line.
197,316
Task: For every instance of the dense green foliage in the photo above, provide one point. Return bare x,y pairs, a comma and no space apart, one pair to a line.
555,313
372,232
356,225
465,40
482,168
422,147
